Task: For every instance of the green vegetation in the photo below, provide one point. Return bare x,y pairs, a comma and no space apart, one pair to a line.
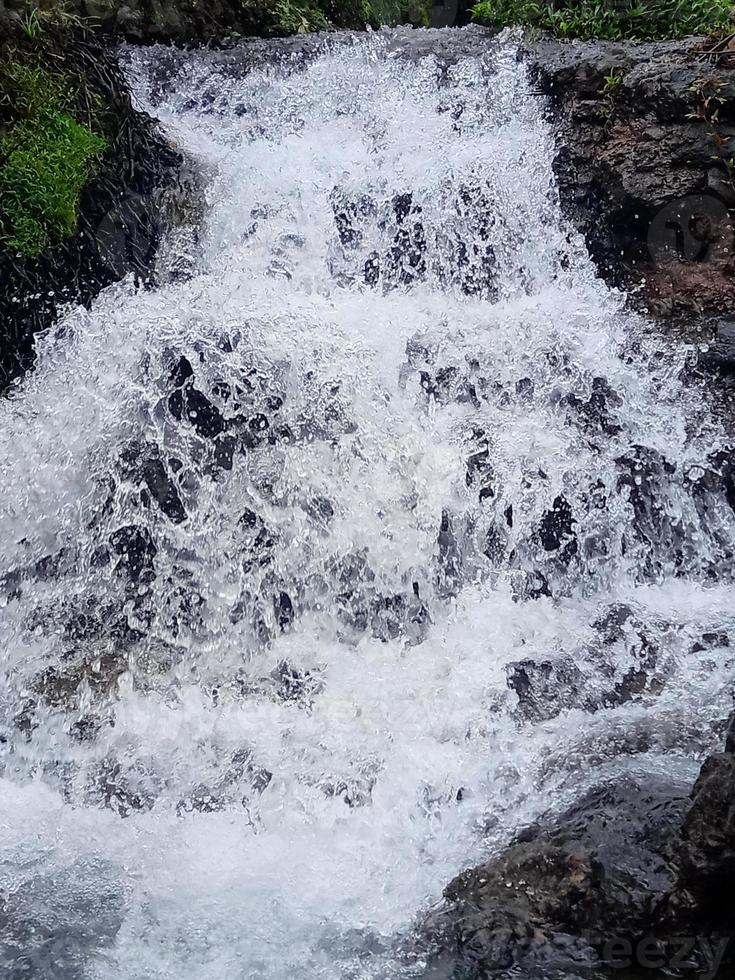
46,158
302,16
613,81
294,17
610,19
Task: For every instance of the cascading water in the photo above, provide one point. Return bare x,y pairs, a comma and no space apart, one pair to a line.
373,531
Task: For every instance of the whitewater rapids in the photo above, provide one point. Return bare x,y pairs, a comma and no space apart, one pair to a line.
276,528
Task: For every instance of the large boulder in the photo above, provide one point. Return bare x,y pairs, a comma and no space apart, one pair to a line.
635,874
706,857
566,887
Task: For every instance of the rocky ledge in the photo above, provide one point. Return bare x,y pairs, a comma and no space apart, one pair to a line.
646,165
633,878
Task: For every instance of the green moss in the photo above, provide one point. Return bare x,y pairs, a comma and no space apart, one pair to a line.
610,19
46,158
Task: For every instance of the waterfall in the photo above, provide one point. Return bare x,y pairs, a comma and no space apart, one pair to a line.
373,529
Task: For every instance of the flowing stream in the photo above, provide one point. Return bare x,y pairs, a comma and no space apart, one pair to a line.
374,530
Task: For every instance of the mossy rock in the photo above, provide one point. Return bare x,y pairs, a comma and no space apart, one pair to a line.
46,157
83,183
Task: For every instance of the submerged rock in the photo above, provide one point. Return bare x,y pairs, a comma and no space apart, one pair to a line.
545,688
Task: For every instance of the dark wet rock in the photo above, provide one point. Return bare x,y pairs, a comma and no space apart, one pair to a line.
404,254
358,218
60,686
405,260
545,688
596,412
258,542
361,605
556,530
535,586
567,884
244,768
391,617
448,385
296,686
525,389
283,610
123,790
354,791
184,605
625,637
137,551
201,799
143,464
637,862
187,403
223,454
707,856
449,557
471,261
711,641
642,165
721,352
324,414
716,478
320,509
496,543
479,473
47,569
645,472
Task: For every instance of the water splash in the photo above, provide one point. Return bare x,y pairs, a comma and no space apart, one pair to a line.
331,562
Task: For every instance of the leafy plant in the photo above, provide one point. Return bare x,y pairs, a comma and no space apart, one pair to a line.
710,99
297,17
613,81
610,19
